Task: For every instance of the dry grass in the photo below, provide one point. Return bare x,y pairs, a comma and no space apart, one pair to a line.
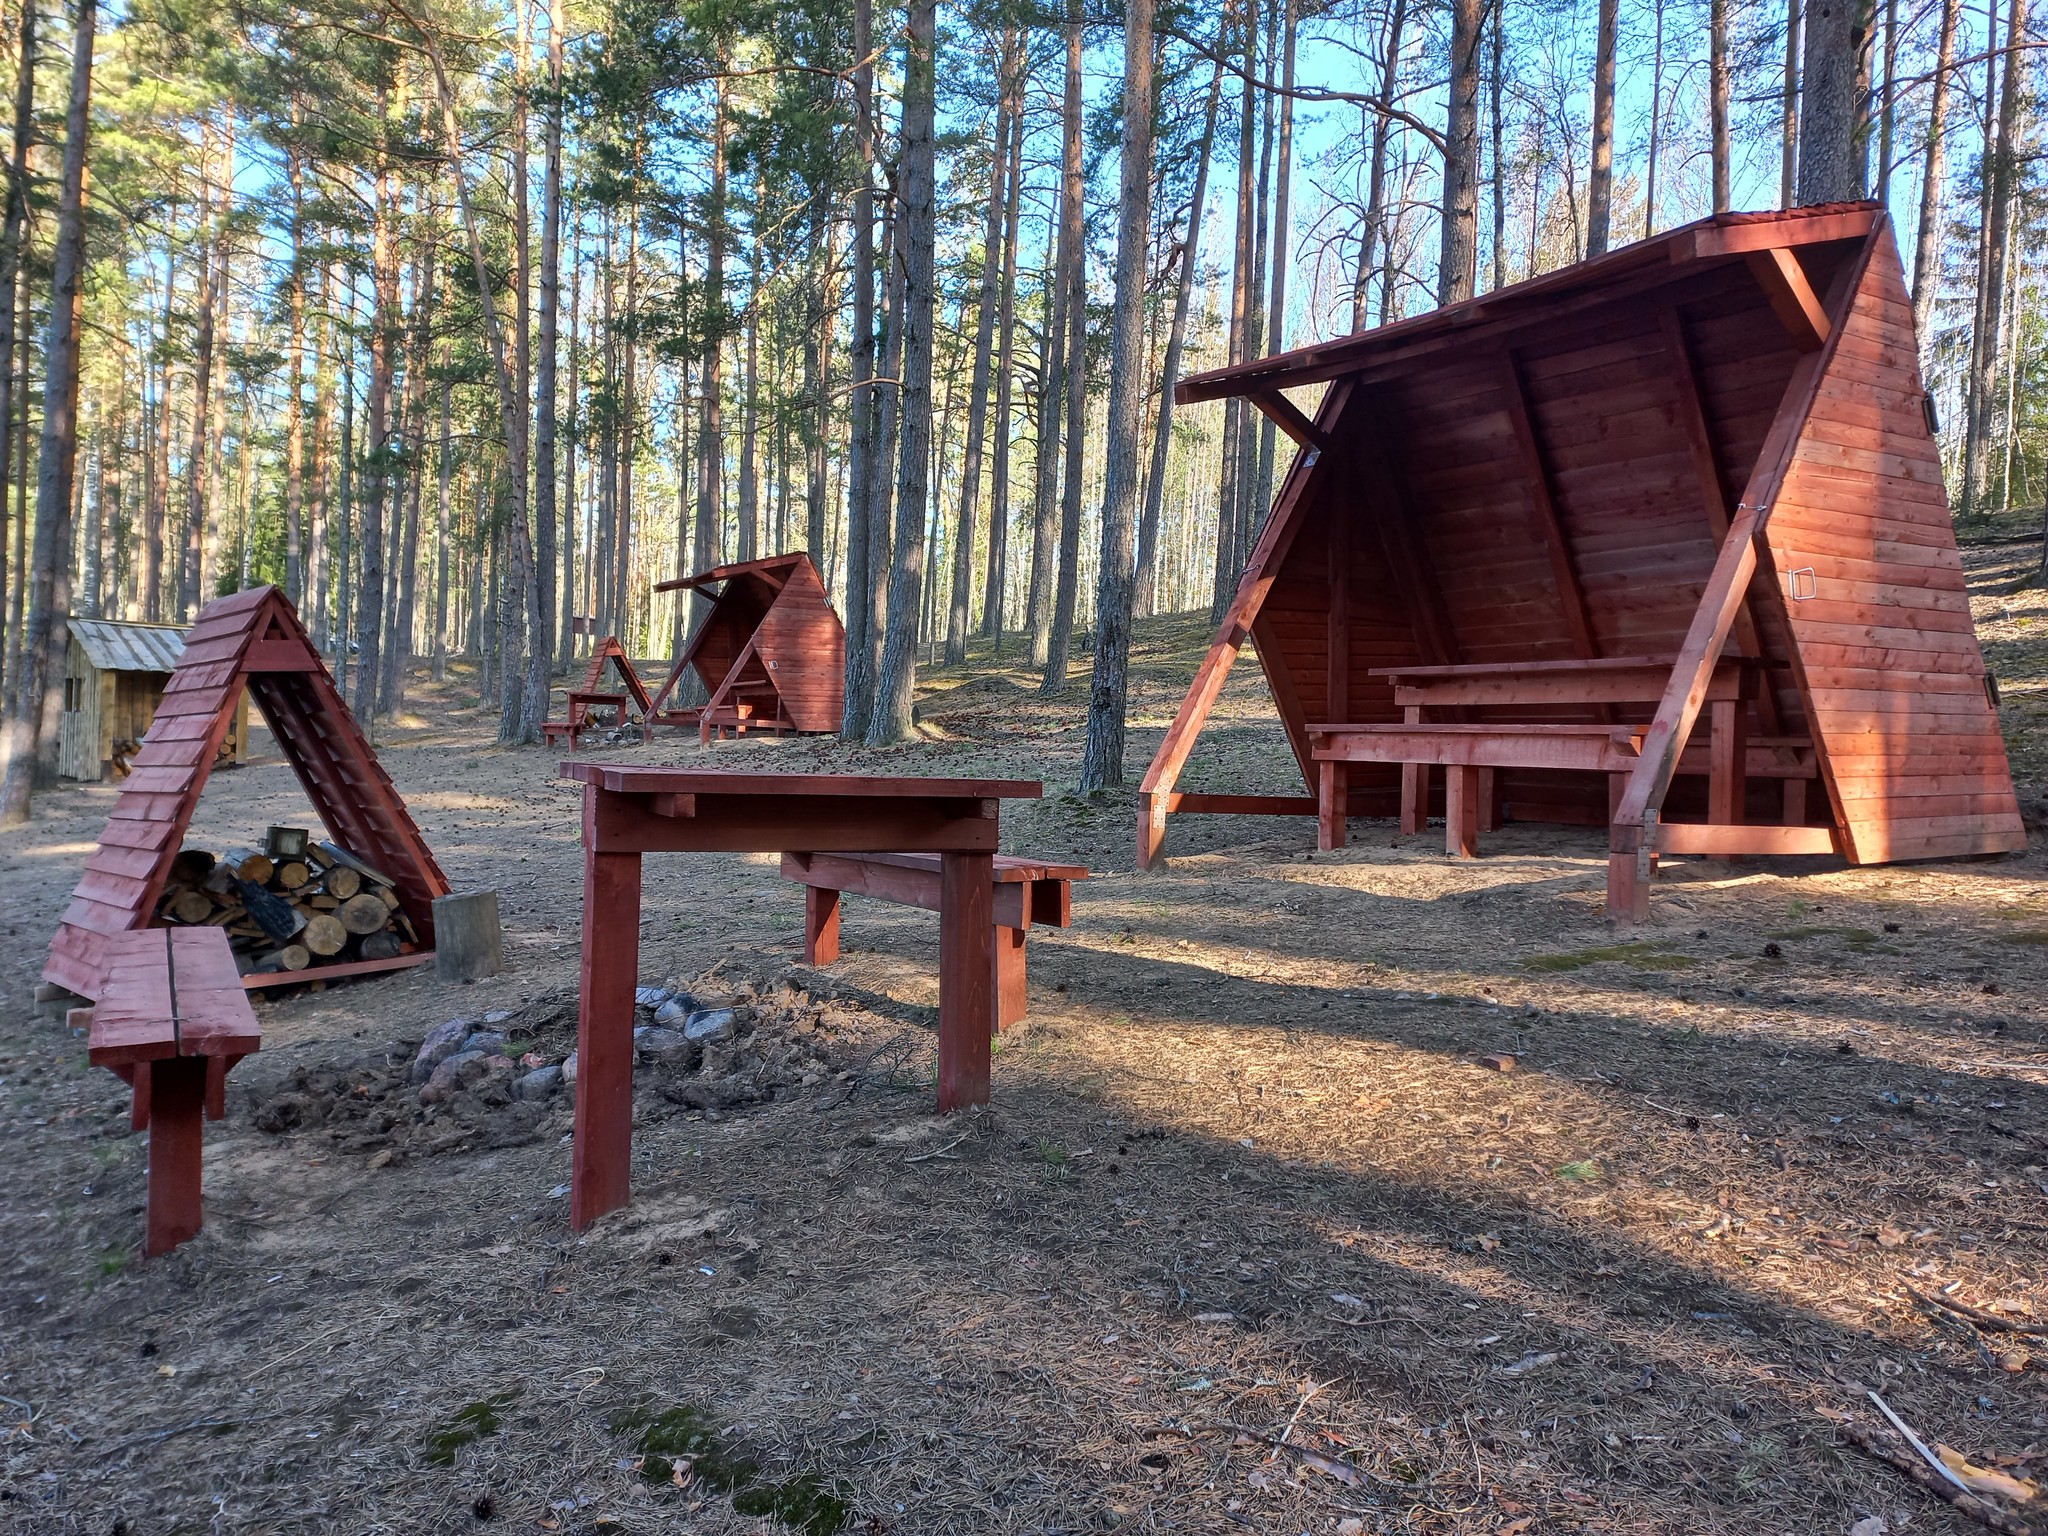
1244,1182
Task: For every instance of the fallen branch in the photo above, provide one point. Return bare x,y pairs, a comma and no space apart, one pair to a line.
1912,1468
1979,1316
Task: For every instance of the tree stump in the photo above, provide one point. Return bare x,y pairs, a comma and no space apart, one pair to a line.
468,943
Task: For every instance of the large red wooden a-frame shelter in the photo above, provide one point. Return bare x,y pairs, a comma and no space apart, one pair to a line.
251,640
771,653
1531,540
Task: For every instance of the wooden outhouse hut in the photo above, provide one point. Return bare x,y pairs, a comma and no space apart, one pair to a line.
771,653
1657,542
114,679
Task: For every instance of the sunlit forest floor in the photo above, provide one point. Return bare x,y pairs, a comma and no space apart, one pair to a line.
1251,1238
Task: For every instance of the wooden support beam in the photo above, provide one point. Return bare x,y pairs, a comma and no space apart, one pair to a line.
1633,835
1571,595
1406,556
1290,510
1290,418
1791,296
1706,463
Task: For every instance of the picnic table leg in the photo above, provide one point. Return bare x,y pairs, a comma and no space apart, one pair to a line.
177,1098
1489,800
1461,811
821,926
967,962
1333,795
602,1179
1012,1003
1414,797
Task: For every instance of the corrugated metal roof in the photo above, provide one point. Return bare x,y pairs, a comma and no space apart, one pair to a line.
115,647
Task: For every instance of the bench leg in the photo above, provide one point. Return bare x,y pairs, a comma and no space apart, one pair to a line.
1461,811
177,1098
1012,1003
1414,798
1333,794
1489,800
821,926
967,964
602,1176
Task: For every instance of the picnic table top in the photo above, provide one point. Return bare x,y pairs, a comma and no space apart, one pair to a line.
638,779
171,992
1539,668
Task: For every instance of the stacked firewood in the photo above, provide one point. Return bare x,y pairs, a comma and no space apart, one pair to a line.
294,906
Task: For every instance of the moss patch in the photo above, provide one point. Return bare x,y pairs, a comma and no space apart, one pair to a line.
686,1439
471,1423
1641,957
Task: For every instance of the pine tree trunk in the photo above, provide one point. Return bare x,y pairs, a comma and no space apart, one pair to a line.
1497,122
400,650
1600,178
199,460
295,404
1926,256
1145,594
1831,168
1045,468
977,390
750,413
1991,283
571,520
369,624
1075,279
1717,101
1788,111
711,439
998,574
1231,491
1276,313
31,735
1376,176
916,191
442,549
517,723
860,574
13,229
1459,246
1102,760
542,641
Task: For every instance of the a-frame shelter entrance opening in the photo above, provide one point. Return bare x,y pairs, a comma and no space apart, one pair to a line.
252,640
1658,542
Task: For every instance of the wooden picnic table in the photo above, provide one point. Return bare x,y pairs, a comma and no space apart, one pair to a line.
1470,752
630,811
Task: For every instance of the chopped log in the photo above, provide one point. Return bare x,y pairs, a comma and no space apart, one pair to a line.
292,874
278,917
225,916
286,843
380,946
320,901
250,865
388,896
191,866
403,926
218,879
468,941
191,906
324,935
364,914
293,957
316,858
343,857
342,881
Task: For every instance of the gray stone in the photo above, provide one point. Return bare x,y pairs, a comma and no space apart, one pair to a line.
544,1083
569,1070
678,1007
497,1016
442,1041
662,1045
650,997
490,1042
710,1024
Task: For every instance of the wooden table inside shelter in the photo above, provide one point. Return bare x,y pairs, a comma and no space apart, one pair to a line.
629,811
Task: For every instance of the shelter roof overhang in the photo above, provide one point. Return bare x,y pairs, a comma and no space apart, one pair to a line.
1550,297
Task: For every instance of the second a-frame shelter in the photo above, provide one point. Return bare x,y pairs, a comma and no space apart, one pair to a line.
1533,540
771,653
251,640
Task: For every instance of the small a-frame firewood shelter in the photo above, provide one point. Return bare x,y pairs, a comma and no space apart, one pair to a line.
251,640
1530,540
771,653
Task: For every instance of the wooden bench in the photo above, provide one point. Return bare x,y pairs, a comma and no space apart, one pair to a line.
1027,891
1471,753
172,1020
